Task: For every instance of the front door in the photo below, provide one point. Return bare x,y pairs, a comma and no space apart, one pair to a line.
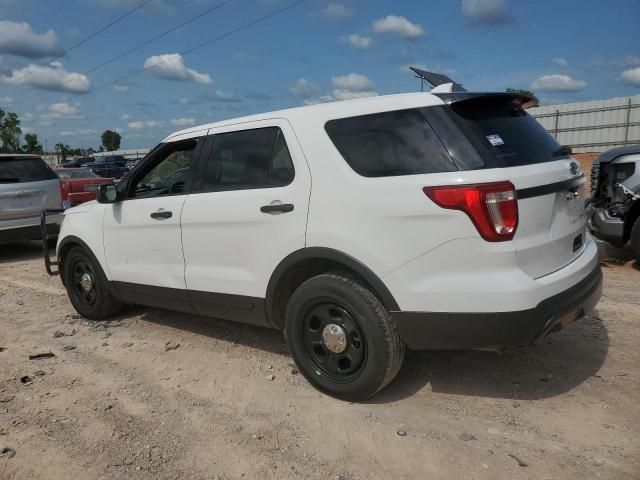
142,234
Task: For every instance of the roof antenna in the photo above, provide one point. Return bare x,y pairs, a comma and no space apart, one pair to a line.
436,79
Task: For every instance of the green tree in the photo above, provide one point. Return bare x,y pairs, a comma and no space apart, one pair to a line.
523,91
63,150
9,132
31,144
111,140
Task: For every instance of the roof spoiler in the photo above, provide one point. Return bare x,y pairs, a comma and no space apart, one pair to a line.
437,79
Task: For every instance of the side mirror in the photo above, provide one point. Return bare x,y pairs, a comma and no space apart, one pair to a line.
107,193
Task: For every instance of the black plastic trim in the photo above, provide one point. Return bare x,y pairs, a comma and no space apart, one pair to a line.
31,232
540,190
309,253
498,330
237,308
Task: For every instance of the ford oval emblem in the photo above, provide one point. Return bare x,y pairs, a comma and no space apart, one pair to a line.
574,168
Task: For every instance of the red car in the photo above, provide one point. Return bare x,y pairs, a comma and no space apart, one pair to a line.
79,185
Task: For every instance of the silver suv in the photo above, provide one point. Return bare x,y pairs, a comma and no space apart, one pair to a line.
27,186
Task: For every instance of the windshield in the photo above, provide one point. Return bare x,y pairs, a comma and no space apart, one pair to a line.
21,169
76,173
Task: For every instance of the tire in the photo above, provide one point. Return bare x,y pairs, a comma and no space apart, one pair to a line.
634,239
96,303
372,351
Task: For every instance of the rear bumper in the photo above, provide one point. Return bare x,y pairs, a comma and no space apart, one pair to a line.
31,232
81,197
498,330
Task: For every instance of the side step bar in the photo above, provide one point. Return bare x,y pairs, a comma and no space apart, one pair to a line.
48,263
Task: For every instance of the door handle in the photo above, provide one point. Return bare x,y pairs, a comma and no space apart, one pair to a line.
277,208
161,214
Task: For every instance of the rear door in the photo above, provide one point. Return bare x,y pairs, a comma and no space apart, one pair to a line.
493,133
27,186
250,213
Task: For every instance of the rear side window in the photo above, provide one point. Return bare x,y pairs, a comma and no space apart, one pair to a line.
503,133
20,169
389,144
257,158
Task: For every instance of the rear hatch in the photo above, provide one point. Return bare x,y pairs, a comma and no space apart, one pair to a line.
493,131
27,186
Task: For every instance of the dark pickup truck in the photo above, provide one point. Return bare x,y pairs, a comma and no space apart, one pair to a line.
114,166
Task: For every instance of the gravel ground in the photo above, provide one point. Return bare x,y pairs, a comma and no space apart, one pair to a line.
159,395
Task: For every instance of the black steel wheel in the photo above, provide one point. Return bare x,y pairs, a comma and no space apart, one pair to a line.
333,340
87,285
342,338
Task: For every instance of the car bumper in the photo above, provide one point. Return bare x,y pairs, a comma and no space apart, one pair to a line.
31,232
605,227
499,330
81,197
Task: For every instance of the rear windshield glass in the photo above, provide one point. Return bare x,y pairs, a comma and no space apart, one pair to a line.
389,144
76,173
18,170
504,134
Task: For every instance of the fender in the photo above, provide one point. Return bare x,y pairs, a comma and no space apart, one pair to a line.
76,240
326,254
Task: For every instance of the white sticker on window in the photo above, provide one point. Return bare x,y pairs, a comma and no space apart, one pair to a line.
495,140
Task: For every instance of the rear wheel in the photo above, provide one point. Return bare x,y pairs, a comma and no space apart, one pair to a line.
87,286
634,239
342,338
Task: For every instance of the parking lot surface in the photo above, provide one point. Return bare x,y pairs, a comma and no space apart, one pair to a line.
161,395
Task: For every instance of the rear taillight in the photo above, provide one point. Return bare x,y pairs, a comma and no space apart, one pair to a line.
492,207
64,190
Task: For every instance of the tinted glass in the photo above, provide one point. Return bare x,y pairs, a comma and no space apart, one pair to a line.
503,133
17,170
255,158
169,174
389,144
76,173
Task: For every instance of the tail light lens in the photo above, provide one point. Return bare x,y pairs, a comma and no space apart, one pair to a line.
64,190
492,207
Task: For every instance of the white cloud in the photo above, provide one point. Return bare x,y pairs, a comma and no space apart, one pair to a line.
336,11
19,39
398,25
79,132
170,66
353,82
346,87
62,110
139,124
358,41
303,88
52,77
125,116
183,122
485,12
6,101
561,62
183,101
558,83
121,88
631,76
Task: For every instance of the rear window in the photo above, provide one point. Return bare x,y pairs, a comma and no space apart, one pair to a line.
21,170
503,133
389,144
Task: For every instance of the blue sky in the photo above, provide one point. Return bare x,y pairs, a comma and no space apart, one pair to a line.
320,50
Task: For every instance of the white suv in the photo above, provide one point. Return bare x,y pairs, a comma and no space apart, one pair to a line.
435,221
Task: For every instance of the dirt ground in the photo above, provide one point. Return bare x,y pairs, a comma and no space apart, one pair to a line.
119,401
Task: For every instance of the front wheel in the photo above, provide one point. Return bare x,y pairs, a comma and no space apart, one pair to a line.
87,286
342,338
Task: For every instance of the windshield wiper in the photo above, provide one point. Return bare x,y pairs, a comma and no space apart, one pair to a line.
562,151
9,179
